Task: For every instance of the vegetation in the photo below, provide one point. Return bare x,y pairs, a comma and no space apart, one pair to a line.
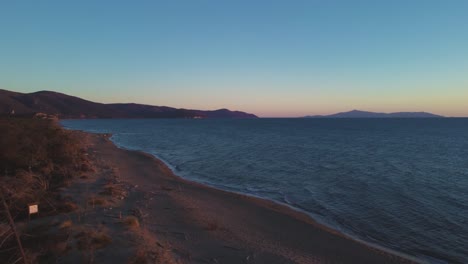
91,239
36,157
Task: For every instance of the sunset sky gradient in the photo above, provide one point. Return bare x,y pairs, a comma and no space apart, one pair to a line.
271,58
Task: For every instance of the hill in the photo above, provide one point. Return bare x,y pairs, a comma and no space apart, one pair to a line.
66,106
365,114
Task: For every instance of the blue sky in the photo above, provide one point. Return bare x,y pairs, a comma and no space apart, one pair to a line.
272,58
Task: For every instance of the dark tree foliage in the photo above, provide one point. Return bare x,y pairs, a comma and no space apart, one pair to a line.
36,157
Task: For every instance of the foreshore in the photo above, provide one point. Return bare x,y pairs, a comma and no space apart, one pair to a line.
200,224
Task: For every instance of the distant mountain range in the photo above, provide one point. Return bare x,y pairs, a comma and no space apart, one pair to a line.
365,114
66,106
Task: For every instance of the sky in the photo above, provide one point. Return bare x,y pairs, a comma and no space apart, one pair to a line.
269,57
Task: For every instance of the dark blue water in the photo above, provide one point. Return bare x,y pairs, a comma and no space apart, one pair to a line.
399,183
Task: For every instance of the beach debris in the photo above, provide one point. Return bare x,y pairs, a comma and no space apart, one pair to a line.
112,216
182,253
159,245
165,188
138,213
180,234
231,247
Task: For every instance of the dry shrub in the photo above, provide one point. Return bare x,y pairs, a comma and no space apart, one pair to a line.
66,224
3,228
98,201
86,166
212,226
140,257
67,206
32,257
131,222
144,256
150,250
22,189
92,239
100,240
116,190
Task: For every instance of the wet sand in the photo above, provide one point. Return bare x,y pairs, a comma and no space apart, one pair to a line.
200,224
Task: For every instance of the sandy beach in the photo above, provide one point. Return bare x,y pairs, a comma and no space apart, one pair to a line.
195,223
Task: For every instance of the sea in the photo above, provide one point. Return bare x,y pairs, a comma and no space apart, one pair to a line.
400,184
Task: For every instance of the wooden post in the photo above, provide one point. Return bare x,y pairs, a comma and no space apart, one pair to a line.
13,227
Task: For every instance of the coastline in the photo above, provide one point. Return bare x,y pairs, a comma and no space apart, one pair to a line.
229,227
322,224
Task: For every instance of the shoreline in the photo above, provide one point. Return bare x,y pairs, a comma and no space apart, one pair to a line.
321,223
285,232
